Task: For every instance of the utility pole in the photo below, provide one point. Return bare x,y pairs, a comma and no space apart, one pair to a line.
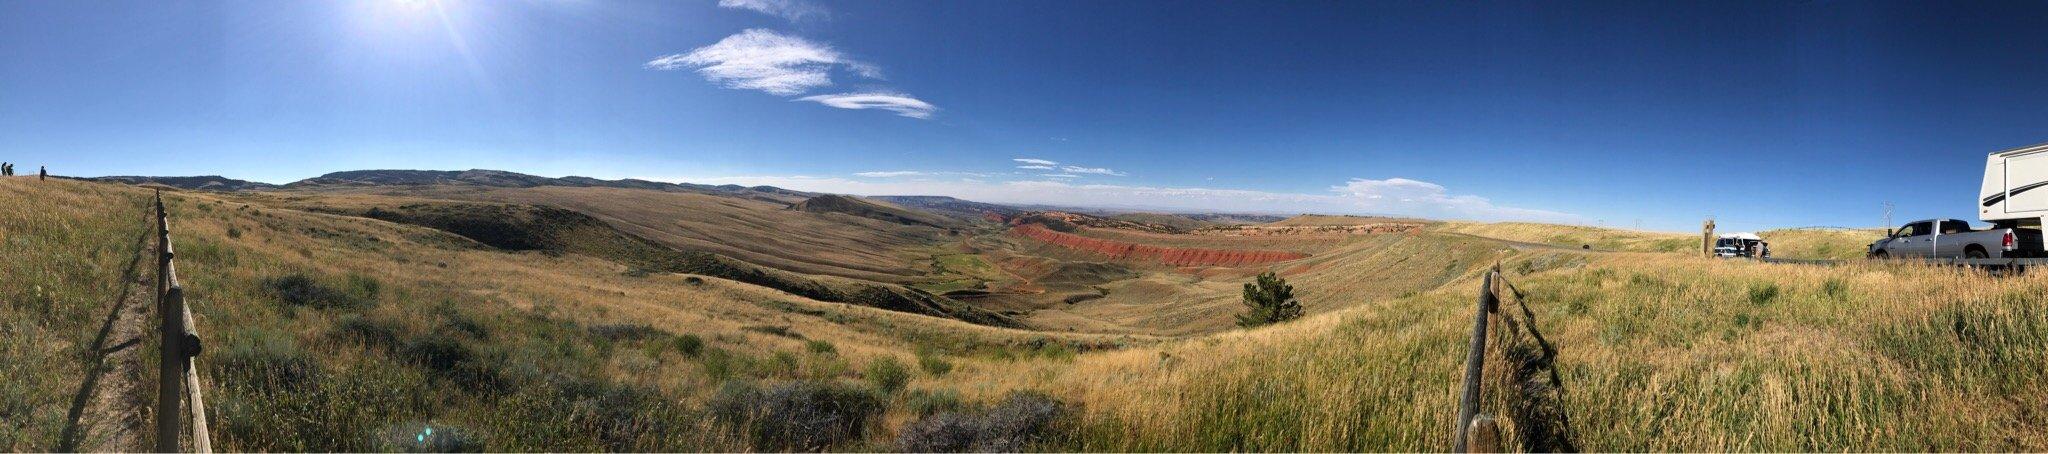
1887,214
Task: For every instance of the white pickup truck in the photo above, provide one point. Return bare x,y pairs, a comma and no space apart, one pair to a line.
1953,238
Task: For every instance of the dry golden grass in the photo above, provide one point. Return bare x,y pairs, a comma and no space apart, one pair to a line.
1657,352
1572,236
64,249
1821,243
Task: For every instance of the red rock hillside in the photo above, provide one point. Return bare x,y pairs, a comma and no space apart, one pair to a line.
1167,255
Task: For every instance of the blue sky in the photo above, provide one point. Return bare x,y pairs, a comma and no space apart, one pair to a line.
1659,113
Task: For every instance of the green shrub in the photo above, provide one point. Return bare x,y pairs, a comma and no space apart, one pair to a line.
933,364
367,331
820,347
1267,301
690,345
299,289
887,374
795,416
1021,420
1761,294
721,365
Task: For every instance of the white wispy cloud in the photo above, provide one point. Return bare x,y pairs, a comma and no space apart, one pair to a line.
1091,170
1035,161
901,104
1036,167
889,174
1060,175
793,10
1393,196
761,59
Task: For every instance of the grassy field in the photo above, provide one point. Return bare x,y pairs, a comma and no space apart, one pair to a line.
1657,353
1821,243
330,332
1577,236
67,248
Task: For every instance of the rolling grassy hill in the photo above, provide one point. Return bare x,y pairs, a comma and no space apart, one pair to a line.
332,332
871,209
755,231
343,330
1572,236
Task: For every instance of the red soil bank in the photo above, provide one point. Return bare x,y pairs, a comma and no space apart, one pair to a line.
1167,255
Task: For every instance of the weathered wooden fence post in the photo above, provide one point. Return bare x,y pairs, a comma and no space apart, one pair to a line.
1475,364
1707,238
170,338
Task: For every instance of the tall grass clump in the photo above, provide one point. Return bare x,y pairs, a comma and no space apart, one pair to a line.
796,416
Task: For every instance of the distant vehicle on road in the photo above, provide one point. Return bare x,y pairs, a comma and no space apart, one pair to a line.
1955,238
1742,244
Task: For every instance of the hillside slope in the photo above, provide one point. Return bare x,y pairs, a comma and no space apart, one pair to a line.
542,228
855,206
755,231
343,333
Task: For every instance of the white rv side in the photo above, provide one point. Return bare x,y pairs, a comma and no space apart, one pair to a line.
2015,186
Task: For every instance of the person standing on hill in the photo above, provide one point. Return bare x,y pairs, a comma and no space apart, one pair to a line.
42,173
6,169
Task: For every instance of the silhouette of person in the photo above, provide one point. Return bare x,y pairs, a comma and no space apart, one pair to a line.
42,173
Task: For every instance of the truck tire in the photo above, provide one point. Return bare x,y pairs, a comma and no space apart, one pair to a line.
1975,252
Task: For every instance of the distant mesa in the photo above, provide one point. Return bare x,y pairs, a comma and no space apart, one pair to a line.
201,183
473,177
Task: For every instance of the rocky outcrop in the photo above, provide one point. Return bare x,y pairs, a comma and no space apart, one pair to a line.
1160,254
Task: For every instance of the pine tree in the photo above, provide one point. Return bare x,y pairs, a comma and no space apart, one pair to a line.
1268,301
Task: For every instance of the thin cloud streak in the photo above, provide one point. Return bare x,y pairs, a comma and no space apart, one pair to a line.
1092,170
792,10
902,105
